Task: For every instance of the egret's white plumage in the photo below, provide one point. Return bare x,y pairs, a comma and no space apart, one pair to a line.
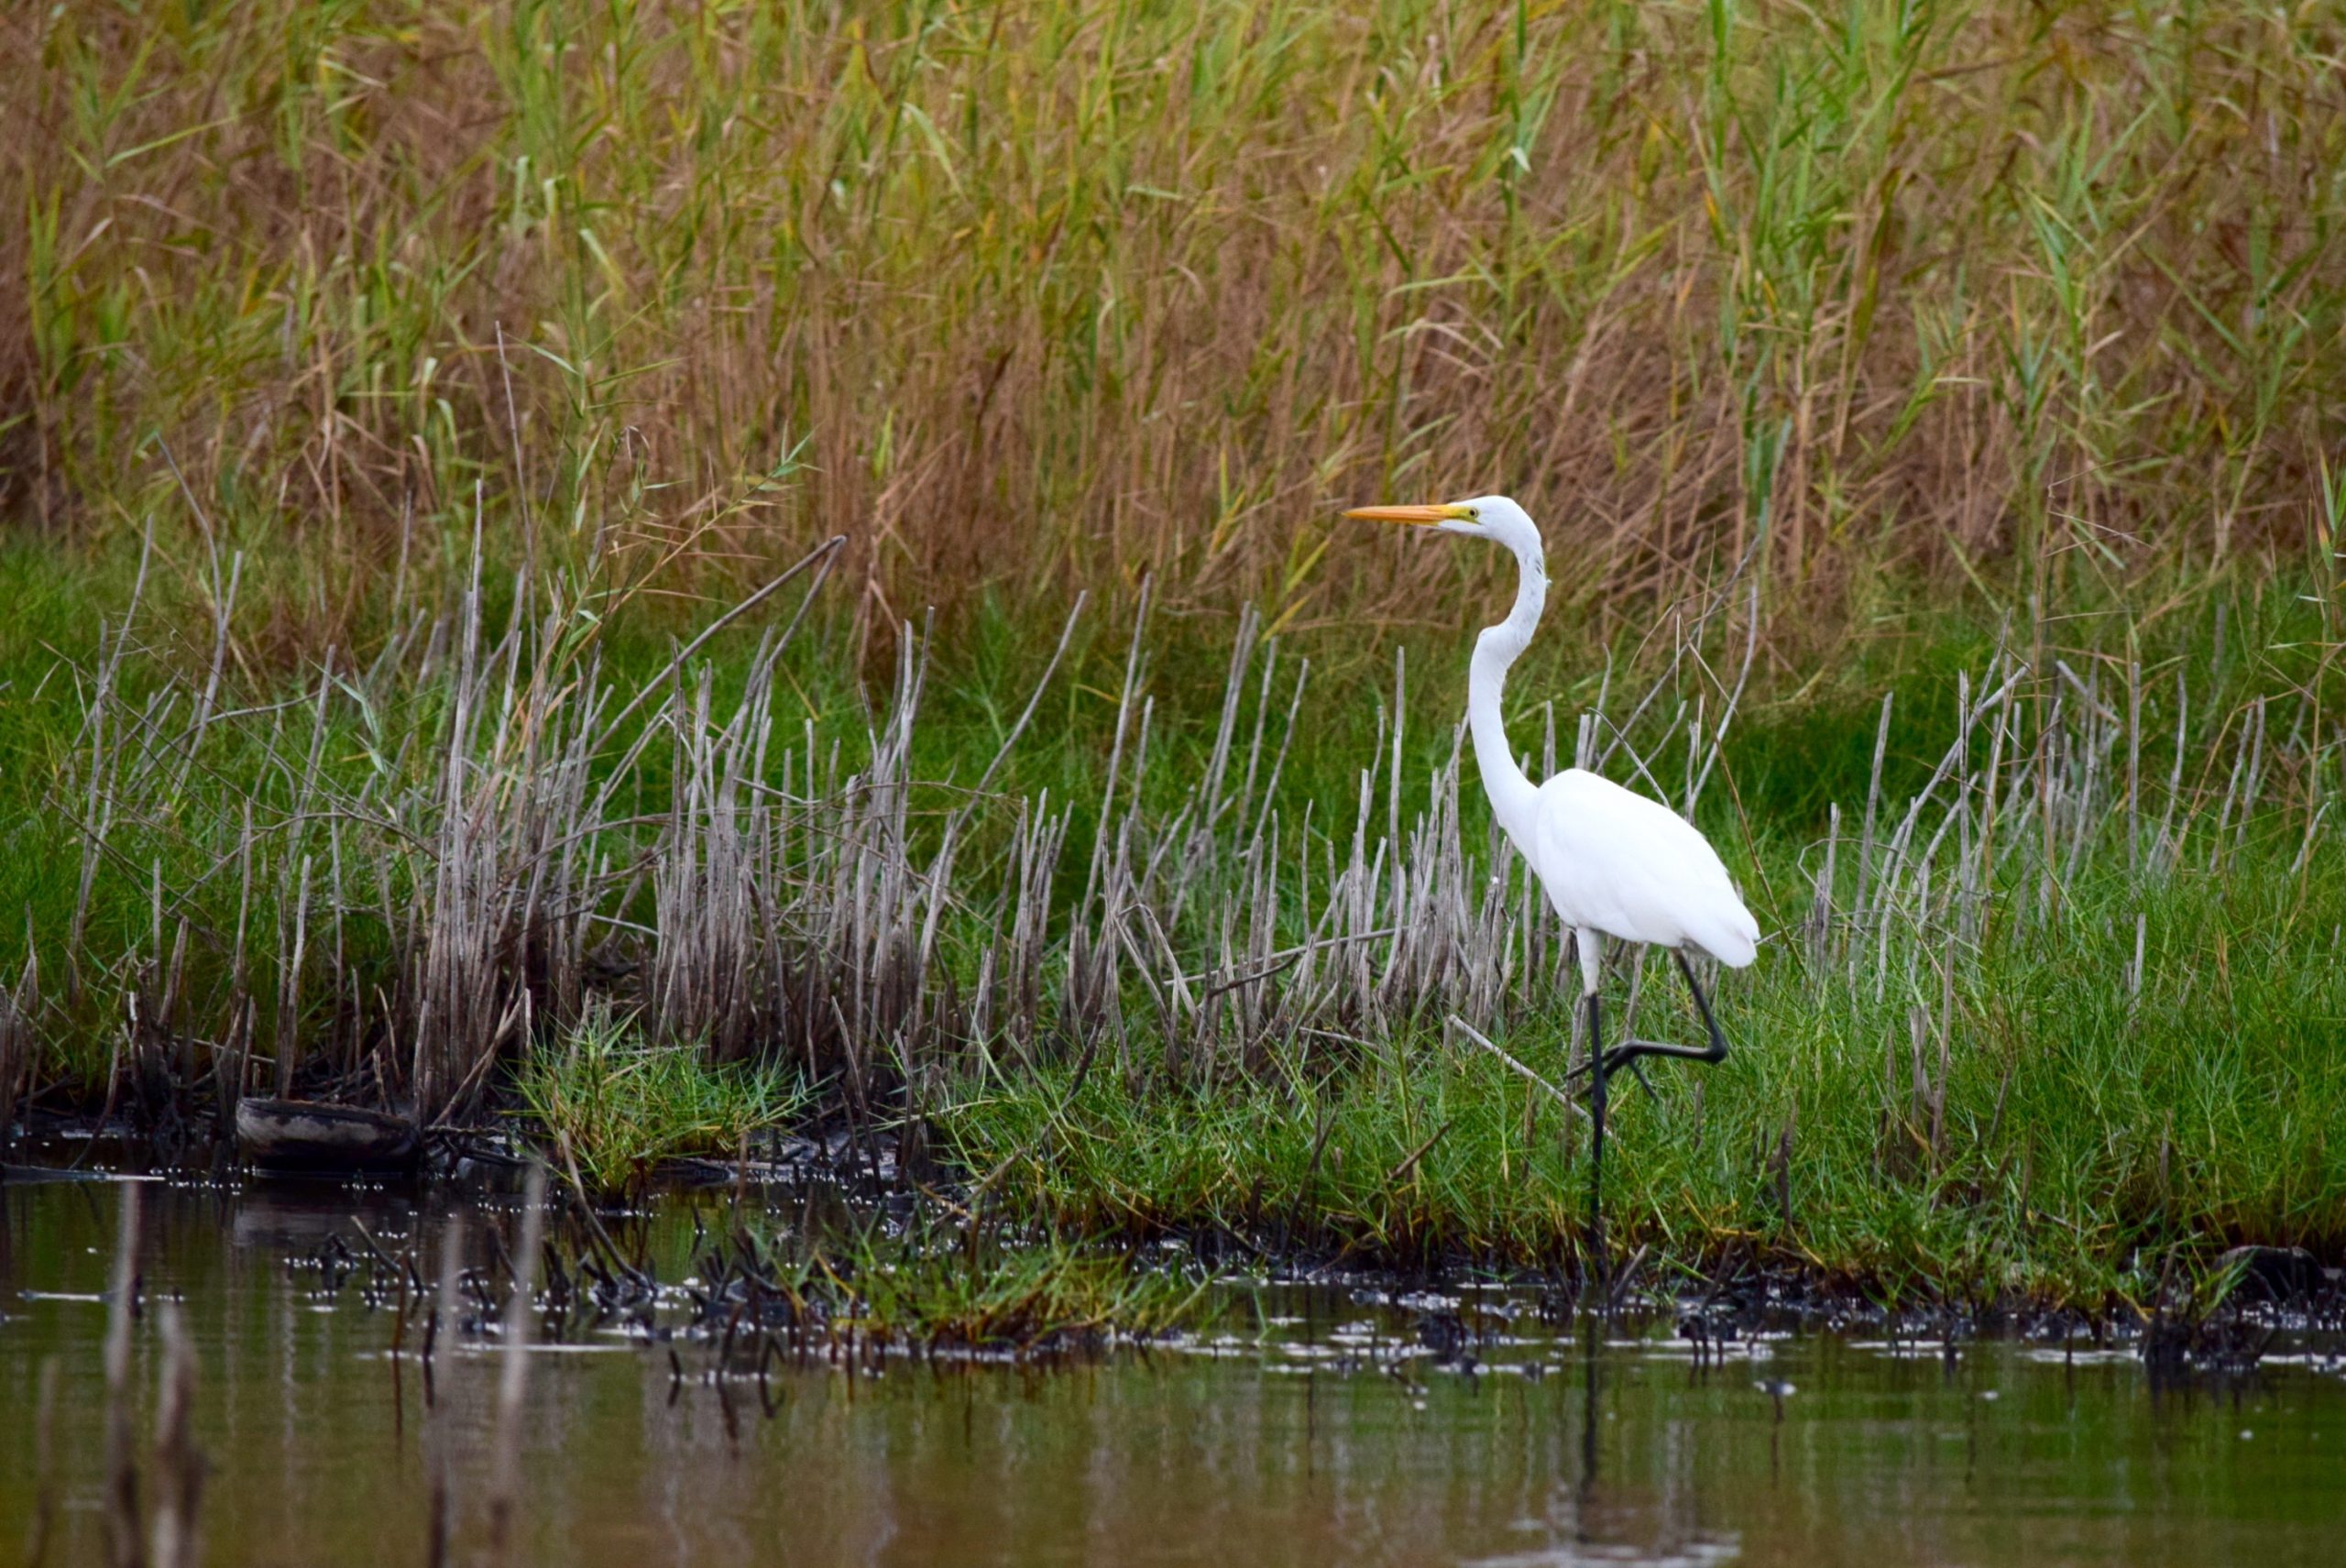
1613,862
1610,860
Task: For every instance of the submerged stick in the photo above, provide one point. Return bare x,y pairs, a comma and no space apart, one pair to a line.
445,1309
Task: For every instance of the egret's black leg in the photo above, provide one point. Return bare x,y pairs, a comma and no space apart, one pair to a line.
1602,1064
1615,1060
1717,1051
1627,1054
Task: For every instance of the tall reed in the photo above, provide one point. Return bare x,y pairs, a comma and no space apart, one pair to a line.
1059,296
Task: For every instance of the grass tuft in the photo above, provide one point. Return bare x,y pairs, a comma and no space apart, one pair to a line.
613,1105
1021,1296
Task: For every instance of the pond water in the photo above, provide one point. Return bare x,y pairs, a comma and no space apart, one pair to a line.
1310,1426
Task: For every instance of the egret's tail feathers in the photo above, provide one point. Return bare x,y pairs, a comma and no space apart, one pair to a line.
1733,938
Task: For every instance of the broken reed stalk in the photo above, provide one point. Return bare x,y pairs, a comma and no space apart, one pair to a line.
441,1330
179,1465
125,1547
17,1042
43,1524
513,1379
1549,1090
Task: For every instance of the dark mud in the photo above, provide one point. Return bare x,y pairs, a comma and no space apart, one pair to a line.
2251,1302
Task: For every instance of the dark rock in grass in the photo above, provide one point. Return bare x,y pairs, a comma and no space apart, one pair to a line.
2273,1273
303,1135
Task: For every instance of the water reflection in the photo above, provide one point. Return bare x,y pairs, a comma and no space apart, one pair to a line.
1310,1425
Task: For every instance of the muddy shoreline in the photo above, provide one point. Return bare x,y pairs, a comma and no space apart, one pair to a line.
2255,1301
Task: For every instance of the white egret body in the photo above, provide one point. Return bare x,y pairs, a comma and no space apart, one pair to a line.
1612,862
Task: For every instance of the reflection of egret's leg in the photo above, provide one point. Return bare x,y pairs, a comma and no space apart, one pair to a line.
1588,1448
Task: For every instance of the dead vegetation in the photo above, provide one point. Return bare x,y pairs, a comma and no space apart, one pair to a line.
1059,297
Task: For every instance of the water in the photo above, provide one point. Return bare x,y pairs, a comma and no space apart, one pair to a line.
1296,1430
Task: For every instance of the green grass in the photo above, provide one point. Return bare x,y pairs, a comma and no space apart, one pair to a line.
946,1294
2085,1125
610,1105
2074,1126
2087,1137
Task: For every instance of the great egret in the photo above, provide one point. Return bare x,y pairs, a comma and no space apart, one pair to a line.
1612,862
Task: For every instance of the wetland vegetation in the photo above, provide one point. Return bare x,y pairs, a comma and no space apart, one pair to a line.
651,581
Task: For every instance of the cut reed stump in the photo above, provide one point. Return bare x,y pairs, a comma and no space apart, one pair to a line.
305,1136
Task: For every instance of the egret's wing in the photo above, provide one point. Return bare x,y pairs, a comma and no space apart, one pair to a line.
1634,869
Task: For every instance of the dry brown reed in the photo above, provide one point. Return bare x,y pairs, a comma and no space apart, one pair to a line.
19,1006
1065,295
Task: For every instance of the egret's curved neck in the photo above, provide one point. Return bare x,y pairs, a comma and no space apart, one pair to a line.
1495,650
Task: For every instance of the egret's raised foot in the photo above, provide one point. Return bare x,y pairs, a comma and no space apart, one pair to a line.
1615,1059
1626,1054
1644,1083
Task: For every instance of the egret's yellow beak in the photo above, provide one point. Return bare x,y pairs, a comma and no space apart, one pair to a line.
1420,516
